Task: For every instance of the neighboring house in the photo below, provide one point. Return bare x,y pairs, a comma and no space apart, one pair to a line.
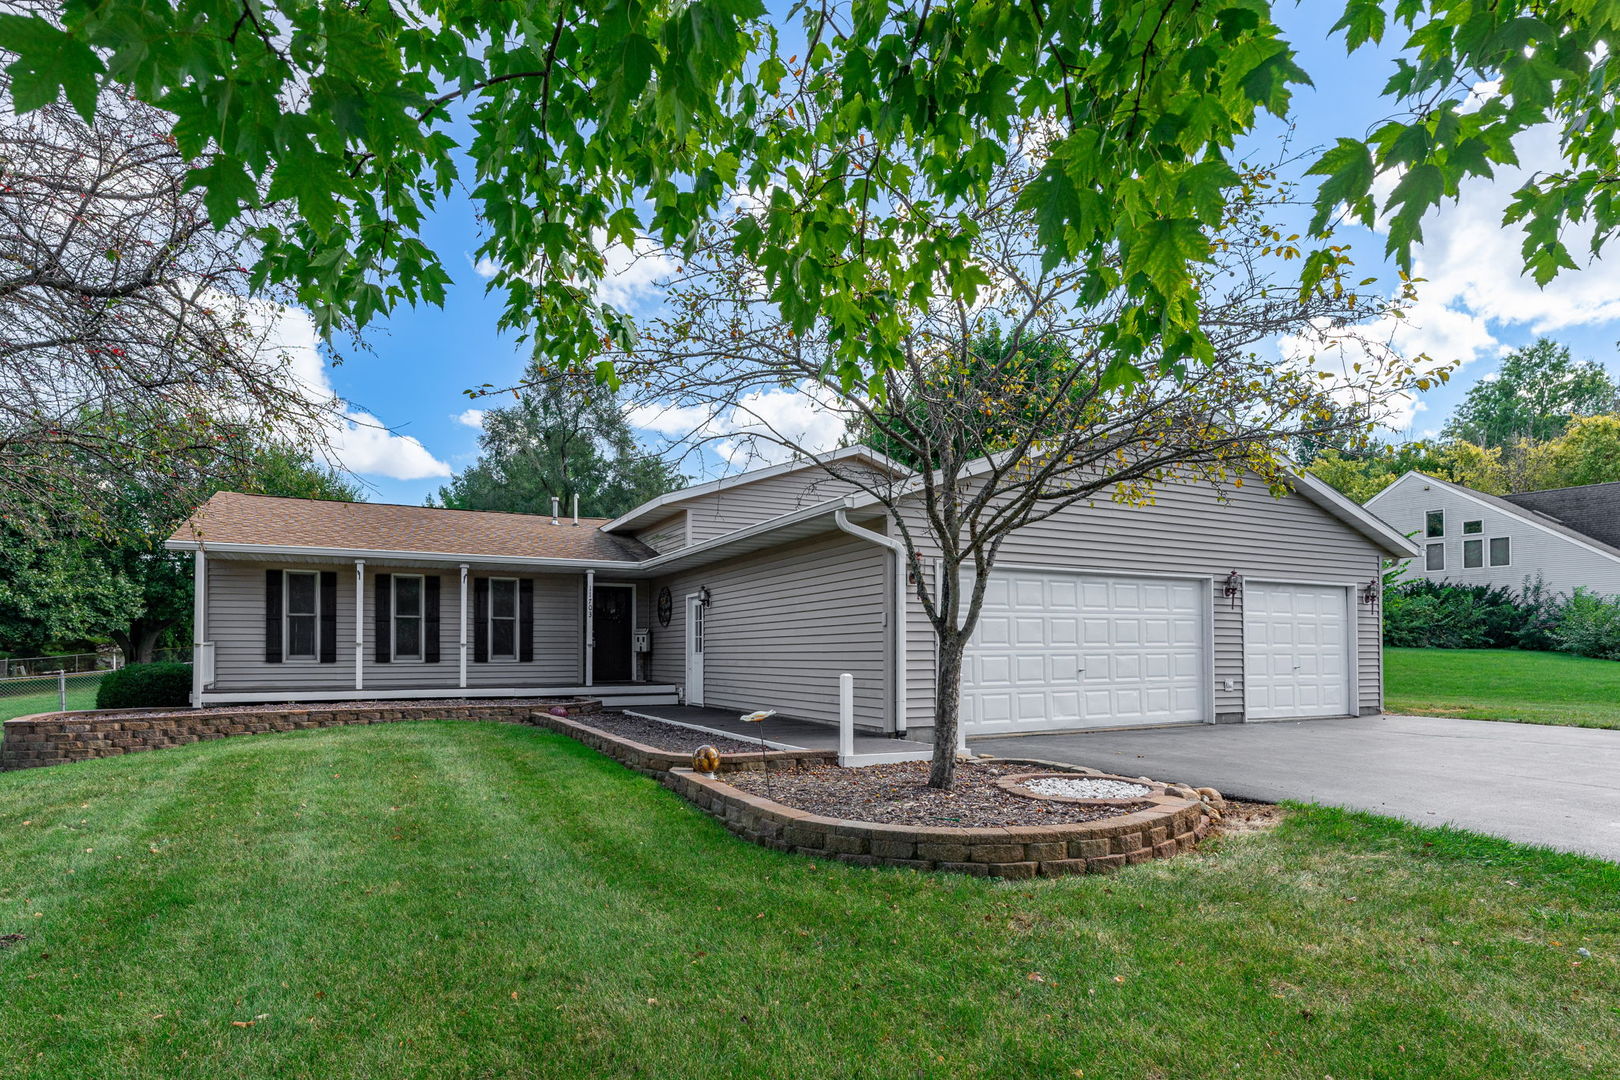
1568,536
758,590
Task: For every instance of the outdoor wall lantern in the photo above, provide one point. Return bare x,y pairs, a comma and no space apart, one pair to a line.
1369,592
1233,587
703,595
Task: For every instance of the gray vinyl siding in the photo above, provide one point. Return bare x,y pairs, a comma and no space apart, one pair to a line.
1188,532
235,624
747,504
666,535
1565,564
783,624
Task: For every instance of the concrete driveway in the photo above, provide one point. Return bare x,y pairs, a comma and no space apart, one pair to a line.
1557,786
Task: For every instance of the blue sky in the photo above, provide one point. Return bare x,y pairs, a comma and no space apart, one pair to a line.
1475,305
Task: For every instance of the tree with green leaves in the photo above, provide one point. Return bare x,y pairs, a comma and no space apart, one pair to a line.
75,577
1007,411
1535,394
1588,452
565,435
595,124
1362,473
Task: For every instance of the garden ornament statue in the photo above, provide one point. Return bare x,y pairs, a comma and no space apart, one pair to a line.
706,759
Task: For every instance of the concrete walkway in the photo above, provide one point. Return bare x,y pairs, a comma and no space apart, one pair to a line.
1557,786
804,734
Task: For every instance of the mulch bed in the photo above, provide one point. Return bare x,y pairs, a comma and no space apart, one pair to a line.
339,706
661,736
899,794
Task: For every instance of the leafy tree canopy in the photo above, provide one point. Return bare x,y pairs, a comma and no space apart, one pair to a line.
1535,394
1363,475
564,436
1588,453
595,122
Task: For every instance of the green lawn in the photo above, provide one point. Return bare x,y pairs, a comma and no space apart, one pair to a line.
470,900
1503,684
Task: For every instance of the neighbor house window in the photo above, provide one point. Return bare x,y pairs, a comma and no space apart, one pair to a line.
1501,551
1473,528
1434,557
503,636
1434,523
1473,554
407,617
303,614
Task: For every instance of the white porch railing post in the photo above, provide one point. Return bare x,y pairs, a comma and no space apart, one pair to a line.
846,717
61,690
590,628
199,628
359,624
463,624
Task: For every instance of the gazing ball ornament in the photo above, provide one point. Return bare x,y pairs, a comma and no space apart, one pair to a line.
558,710
706,759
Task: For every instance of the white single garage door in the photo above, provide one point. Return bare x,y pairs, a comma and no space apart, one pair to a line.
1296,650
1057,651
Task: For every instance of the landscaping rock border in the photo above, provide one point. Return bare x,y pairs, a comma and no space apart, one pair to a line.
1172,824
58,738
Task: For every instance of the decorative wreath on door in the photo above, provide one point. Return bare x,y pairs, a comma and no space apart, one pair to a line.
666,606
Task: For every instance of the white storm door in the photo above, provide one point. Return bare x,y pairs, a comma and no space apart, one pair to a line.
696,618
1056,651
1296,650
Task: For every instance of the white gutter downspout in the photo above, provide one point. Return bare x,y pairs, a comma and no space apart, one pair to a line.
897,671
462,622
359,624
590,627
199,636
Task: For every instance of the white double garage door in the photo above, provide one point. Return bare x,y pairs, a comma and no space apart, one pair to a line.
1058,651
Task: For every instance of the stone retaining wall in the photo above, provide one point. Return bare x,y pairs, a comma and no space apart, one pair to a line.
651,761
1173,824
56,738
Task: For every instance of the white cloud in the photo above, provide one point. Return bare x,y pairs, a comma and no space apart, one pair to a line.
473,418
356,440
762,428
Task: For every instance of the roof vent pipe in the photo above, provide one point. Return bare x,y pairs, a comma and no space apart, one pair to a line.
576,508
554,501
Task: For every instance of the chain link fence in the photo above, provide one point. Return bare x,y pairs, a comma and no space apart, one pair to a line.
49,692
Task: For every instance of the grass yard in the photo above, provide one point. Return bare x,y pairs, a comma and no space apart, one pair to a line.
479,900
1503,684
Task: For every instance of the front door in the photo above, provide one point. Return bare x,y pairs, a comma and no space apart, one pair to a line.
613,611
695,613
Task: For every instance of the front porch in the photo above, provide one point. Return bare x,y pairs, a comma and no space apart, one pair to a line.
612,695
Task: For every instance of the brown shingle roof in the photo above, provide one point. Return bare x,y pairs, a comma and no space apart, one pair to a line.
233,518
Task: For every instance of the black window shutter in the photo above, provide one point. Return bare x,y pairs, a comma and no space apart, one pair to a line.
526,620
481,620
328,616
272,616
430,619
381,624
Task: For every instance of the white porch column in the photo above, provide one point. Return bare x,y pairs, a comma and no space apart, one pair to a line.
359,624
462,622
199,634
590,627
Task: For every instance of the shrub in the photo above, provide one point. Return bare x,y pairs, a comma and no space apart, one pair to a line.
1590,626
1437,615
142,686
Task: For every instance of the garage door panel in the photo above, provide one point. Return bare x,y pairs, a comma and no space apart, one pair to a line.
1296,659
1090,652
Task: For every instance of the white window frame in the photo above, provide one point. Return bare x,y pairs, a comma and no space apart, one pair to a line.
1479,545
394,616
1427,535
1427,569
1490,553
287,616
517,622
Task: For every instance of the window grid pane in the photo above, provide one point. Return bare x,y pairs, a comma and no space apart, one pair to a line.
1434,523
408,595
1434,557
1501,551
503,598
300,593
503,639
301,636
407,637
1473,527
1473,554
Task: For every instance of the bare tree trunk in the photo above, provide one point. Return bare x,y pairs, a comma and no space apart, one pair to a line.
139,639
947,710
